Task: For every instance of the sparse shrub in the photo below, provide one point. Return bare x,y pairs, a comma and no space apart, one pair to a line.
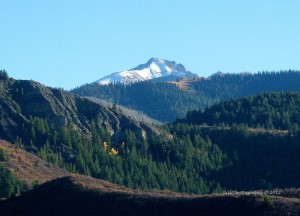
35,183
268,201
9,184
3,155
18,109
3,75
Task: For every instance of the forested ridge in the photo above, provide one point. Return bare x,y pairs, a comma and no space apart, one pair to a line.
266,110
183,156
259,134
166,102
159,100
226,86
258,160
102,149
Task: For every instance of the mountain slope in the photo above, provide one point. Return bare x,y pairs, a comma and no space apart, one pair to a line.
27,167
159,100
78,196
182,158
62,193
82,136
138,116
260,134
21,100
154,68
269,110
168,101
224,86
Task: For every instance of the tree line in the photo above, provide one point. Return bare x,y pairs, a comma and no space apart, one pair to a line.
267,110
166,102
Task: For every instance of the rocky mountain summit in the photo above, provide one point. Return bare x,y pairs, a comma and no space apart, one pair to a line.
154,68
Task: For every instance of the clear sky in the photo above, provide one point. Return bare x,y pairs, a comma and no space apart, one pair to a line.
66,43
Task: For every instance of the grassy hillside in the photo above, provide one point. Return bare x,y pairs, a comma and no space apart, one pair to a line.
27,167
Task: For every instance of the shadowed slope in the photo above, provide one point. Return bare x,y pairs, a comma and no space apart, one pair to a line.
76,194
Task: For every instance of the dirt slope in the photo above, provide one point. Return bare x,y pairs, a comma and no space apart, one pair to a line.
28,167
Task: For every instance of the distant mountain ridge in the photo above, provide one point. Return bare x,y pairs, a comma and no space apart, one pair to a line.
165,101
154,68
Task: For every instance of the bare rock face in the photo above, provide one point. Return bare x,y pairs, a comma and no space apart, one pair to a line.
21,100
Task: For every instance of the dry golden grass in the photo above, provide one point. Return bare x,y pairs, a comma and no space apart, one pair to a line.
185,83
28,167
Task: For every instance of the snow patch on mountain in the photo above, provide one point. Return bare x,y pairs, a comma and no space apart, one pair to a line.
154,68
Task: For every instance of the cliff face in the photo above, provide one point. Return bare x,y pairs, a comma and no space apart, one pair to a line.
20,100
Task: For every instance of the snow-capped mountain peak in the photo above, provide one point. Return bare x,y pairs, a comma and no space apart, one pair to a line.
154,68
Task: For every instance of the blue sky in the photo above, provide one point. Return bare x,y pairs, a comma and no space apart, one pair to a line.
69,43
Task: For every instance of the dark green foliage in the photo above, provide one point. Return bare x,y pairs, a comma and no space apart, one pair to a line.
141,164
35,183
256,160
227,86
259,158
268,110
3,155
181,164
161,101
195,160
166,102
3,75
9,185
187,158
268,200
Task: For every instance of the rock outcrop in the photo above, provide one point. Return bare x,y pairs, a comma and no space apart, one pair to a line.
21,99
